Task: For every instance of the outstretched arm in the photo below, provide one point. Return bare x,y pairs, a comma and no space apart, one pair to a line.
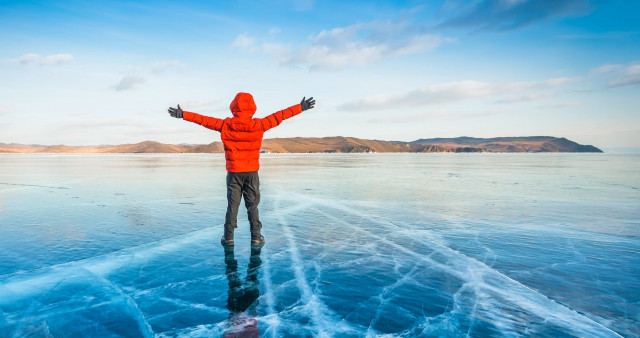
276,118
205,121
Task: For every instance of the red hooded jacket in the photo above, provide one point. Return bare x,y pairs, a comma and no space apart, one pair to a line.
242,134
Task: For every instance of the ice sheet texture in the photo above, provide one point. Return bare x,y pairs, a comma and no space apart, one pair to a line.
357,245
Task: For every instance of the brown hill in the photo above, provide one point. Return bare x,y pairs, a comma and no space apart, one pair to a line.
215,147
340,144
18,148
146,147
337,144
142,147
527,144
61,148
328,145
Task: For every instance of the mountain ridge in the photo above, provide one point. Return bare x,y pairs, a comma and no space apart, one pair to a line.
333,144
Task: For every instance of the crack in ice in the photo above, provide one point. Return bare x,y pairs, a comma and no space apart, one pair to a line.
540,305
269,295
320,313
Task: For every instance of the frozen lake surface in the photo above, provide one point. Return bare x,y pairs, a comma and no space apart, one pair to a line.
357,245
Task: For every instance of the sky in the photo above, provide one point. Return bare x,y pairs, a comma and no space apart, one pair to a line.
105,72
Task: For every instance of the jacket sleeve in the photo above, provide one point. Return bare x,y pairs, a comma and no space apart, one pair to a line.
276,118
205,121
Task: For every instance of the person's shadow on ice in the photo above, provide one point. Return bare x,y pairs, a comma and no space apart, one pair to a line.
243,297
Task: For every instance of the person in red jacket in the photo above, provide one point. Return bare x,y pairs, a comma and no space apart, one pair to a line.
242,138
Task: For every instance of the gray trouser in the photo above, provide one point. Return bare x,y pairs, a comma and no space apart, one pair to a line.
238,185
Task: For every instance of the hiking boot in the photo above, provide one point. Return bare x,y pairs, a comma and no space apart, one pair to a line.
226,242
256,242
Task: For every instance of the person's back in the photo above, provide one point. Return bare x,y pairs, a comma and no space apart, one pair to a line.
242,139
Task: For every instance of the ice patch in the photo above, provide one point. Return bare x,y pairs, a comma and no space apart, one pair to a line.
489,285
324,319
21,285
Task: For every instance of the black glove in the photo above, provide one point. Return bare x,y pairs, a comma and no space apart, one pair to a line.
308,103
176,112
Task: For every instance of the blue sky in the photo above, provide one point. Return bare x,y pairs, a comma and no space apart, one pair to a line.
86,72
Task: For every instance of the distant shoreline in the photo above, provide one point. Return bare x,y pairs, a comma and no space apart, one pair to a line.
337,144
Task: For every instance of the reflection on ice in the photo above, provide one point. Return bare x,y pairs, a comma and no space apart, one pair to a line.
243,296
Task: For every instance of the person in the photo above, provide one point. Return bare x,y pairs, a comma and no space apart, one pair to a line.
242,138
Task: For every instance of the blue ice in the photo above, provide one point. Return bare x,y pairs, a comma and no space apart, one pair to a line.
350,264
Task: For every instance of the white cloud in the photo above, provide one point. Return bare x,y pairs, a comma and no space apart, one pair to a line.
356,45
413,118
128,82
560,105
323,57
619,75
276,50
446,93
4,111
605,69
134,74
433,94
630,76
242,41
48,60
361,44
28,58
510,14
274,30
524,98
557,81
607,35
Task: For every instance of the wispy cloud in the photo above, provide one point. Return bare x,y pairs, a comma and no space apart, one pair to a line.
361,44
445,93
135,75
129,82
433,94
49,60
274,30
605,69
275,50
412,118
524,98
560,105
630,76
356,45
435,115
242,41
619,75
512,14
610,35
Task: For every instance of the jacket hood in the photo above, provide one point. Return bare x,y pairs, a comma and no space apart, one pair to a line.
243,106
